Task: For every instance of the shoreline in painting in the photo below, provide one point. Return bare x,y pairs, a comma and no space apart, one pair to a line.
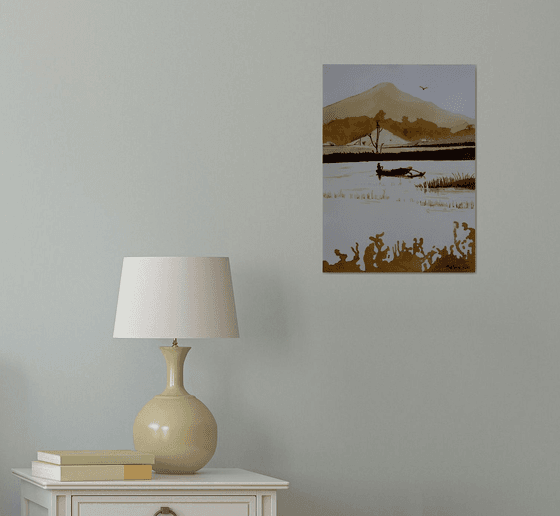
344,154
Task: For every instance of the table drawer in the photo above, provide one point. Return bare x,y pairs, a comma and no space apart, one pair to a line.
149,505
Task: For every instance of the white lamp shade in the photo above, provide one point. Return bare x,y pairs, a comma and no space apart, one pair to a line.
168,298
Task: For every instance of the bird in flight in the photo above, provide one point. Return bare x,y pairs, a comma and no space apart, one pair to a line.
424,87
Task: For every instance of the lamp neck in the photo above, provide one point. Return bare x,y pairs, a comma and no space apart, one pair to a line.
175,359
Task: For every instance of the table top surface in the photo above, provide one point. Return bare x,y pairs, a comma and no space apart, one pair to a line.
206,478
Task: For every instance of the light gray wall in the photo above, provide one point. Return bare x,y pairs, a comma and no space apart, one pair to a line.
145,128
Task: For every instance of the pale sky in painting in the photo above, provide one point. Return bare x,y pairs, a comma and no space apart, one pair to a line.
451,87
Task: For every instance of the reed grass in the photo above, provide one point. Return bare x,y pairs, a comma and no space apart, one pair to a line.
464,205
456,181
364,196
330,195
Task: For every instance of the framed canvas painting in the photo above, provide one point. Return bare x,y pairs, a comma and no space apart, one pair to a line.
399,168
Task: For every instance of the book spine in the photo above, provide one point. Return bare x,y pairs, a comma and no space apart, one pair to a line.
77,460
91,472
137,471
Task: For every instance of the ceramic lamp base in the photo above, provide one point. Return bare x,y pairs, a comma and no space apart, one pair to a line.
175,426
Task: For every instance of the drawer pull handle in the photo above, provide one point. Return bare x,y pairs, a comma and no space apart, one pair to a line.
165,510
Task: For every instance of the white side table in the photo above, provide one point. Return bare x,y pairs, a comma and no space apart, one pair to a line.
208,492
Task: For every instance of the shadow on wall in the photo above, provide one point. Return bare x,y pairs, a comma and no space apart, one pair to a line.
320,500
270,301
262,300
15,439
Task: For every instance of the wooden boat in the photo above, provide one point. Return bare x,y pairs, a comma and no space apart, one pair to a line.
398,172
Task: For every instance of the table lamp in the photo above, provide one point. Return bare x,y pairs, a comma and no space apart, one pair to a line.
176,298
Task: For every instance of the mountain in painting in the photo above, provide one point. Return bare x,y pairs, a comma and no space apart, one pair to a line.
396,104
404,115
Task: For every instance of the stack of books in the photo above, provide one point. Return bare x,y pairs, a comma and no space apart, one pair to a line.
82,465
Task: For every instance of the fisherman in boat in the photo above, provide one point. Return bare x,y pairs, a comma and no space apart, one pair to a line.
379,168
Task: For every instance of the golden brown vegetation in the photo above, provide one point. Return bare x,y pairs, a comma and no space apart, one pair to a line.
467,181
344,131
378,257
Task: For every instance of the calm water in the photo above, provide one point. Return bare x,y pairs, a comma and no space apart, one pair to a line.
395,206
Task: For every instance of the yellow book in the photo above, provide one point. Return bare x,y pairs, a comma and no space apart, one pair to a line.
89,472
79,457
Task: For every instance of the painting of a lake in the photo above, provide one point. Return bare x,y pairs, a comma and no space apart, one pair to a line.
399,190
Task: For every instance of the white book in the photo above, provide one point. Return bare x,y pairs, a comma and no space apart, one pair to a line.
78,457
89,472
